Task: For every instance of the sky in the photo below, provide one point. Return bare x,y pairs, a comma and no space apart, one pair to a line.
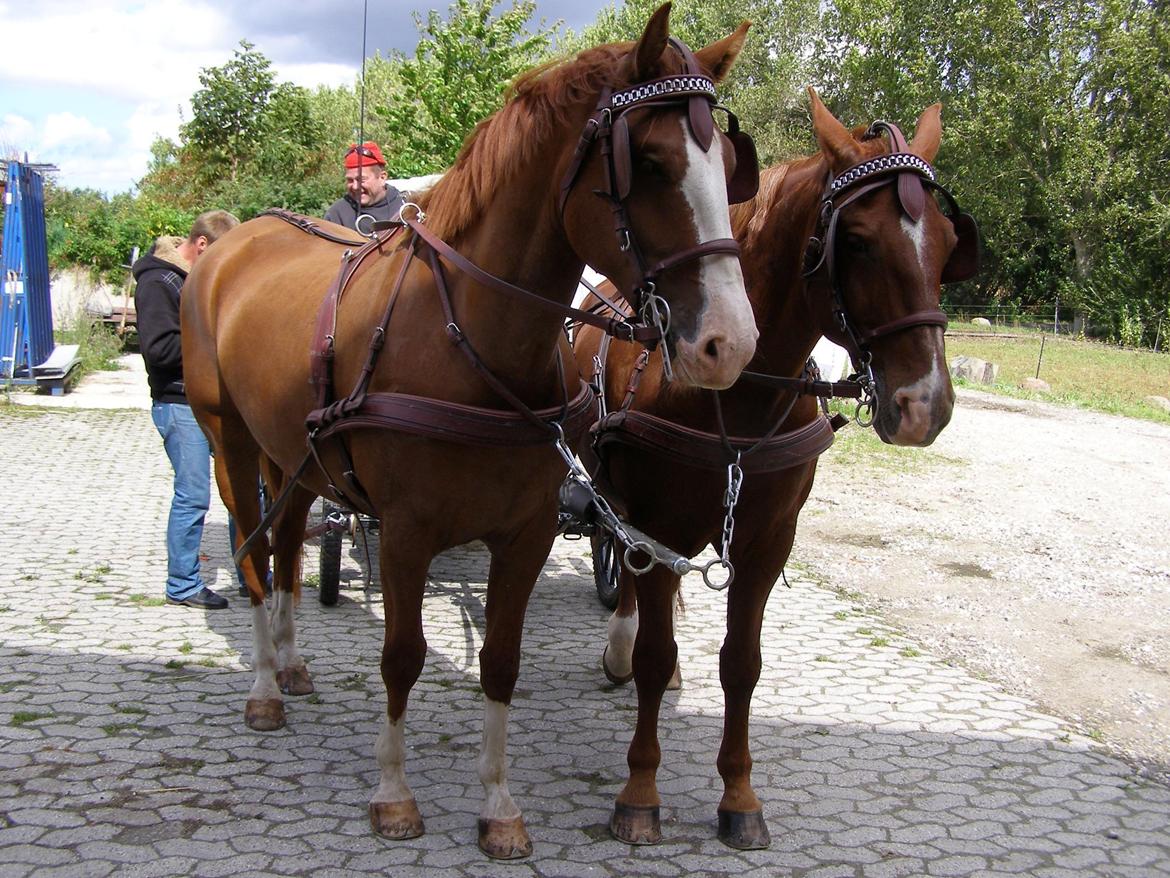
87,85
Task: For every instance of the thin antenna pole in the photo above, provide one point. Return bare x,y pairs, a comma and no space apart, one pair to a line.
362,116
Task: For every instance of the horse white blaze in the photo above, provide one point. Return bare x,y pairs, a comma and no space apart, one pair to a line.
391,753
493,764
619,656
916,232
263,657
727,313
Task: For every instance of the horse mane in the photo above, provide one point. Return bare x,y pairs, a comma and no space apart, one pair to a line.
537,102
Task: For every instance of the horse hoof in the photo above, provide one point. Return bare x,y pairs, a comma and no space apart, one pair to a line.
504,839
612,677
398,820
264,714
295,681
675,682
636,824
744,830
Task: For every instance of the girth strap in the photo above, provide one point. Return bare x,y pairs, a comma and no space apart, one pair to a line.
695,448
464,424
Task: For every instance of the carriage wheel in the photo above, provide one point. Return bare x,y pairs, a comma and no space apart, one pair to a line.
607,568
329,568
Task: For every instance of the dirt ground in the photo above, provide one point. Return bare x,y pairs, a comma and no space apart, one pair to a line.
1029,543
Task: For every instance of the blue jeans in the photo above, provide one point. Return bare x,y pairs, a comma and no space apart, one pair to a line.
190,457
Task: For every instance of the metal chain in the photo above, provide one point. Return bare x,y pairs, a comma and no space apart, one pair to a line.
730,499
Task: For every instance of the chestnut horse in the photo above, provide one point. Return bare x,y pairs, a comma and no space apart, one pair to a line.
873,286
518,211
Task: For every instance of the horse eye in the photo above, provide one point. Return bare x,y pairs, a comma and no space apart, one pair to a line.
856,244
650,166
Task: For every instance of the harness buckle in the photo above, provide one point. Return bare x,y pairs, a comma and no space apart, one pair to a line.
455,333
624,240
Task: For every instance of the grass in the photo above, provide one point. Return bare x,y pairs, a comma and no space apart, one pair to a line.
1085,374
98,345
23,717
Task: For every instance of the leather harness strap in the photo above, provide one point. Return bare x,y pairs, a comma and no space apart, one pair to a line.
701,450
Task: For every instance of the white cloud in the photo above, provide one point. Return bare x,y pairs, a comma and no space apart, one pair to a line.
66,130
155,48
16,132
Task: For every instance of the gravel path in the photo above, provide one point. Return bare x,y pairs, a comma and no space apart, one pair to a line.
1029,543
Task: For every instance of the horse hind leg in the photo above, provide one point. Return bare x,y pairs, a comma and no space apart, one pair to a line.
237,473
617,660
292,675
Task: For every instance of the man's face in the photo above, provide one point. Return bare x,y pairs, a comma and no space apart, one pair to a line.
366,185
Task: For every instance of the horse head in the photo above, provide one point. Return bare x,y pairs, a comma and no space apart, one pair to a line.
875,265
648,208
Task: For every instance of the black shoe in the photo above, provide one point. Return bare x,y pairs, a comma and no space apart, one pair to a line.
205,599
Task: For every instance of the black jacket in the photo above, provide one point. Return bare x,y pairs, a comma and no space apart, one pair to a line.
345,211
160,275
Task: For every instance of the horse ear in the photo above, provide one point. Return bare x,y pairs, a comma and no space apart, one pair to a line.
927,133
649,51
834,138
719,57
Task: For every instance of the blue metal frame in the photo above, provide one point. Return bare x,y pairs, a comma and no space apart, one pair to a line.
26,311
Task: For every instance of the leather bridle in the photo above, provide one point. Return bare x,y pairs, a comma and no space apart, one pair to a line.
913,176
608,126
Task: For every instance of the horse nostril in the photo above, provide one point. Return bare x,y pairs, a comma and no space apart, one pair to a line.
712,349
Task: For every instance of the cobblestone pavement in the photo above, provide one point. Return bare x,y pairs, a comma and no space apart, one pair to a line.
123,749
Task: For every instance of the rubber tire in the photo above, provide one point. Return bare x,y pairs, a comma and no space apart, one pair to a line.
329,568
606,568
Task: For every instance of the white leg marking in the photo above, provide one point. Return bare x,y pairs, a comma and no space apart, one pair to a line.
916,232
284,631
705,189
391,753
619,657
493,764
263,657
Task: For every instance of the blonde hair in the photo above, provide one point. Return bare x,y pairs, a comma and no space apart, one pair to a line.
212,224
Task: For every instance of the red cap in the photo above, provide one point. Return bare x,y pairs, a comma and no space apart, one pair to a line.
366,154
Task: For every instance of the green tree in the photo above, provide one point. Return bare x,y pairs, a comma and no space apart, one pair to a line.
230,111
460,70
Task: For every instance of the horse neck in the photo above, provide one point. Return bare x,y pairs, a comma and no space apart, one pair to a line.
522,243
773,235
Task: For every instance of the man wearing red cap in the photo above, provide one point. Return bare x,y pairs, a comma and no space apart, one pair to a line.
369,197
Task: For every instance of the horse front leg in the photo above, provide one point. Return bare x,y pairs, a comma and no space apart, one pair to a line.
514,570
741,814
636,818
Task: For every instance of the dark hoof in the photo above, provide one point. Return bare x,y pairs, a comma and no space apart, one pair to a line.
504,839
636,824
264,714
744,830
397,820
613,678
295,681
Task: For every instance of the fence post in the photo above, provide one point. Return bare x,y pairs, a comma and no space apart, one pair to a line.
1040,359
